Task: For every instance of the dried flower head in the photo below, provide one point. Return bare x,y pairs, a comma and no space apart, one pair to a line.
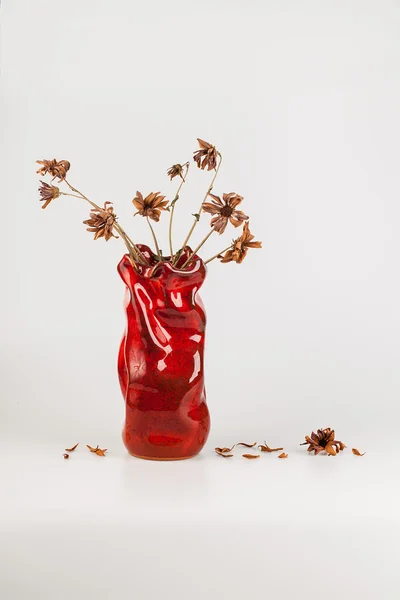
206,156
323,441
101,222
55,168
225,210
240,246
174,171
150,206
48,193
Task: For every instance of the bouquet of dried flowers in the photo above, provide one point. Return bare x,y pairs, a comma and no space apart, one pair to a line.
103,222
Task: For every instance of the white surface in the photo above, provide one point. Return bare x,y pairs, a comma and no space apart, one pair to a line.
302,97
209,527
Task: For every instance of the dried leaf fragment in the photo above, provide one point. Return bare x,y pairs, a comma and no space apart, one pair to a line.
357,452
265,448
283,455
66,455
97,450
72,449
250,456
246,445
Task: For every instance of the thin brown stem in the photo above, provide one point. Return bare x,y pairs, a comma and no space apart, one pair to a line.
198,248
217,255
174,201
197,216
154,237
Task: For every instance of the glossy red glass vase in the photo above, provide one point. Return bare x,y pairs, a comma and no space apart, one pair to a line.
160,361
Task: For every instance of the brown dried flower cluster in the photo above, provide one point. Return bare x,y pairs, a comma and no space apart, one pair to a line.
225,211
54,168
207,156
48,193
150,206
101,222
241,246
323,441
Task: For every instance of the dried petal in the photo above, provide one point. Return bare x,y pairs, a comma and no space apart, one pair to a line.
224,450
357,452
97,450
246,445
251,456
218,451
72,449
283,455
265,448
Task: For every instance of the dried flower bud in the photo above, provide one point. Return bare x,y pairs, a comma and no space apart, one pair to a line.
48,193
55,168
206,156
101,222
174,171
66,456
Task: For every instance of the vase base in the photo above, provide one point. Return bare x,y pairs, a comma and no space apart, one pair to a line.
163,459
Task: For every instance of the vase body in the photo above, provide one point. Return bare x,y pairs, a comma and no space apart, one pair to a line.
161,359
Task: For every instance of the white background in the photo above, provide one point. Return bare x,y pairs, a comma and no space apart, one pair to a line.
302,99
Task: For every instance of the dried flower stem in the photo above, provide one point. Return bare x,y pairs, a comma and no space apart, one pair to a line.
154,237
197,217
174,201
134,251
216,255
198,248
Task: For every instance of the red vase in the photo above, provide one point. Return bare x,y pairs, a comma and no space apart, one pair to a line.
160,361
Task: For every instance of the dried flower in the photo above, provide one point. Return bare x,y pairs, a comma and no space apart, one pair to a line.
357,452
175,170
323,441
283,455
240,246
225,211
250,456
101,222
150,206
66,456
48,193
206,156
265,448
220,452
246,445
55,168
97,450
72,449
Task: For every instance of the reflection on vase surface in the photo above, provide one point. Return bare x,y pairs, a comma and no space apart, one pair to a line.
160,361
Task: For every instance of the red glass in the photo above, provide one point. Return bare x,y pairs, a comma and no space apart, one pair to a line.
160,361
